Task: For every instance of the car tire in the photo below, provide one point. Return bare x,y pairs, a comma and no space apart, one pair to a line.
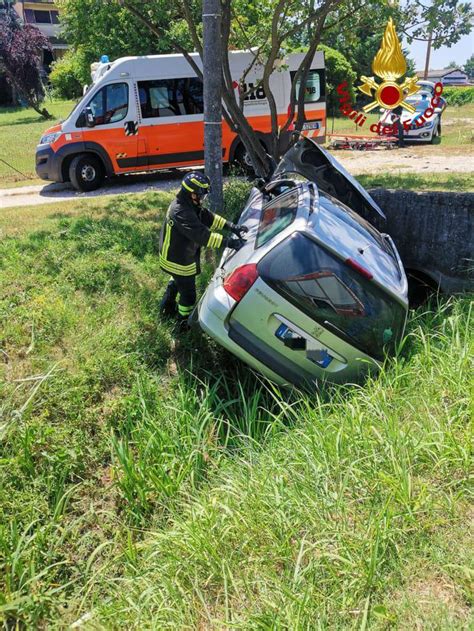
435,136
86,172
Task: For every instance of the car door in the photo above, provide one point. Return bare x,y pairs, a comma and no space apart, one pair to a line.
115,125
172,121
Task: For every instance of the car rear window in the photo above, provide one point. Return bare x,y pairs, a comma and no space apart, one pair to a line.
276,216
333,294
363,227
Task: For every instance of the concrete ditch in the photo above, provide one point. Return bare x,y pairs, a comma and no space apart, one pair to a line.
434,234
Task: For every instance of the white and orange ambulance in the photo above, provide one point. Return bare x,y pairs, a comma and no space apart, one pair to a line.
146,113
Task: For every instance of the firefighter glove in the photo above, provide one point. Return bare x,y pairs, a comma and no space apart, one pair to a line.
238,230
232,243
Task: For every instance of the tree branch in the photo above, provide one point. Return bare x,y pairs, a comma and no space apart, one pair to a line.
159,32
188,16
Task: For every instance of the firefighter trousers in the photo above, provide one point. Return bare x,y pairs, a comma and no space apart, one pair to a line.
185,287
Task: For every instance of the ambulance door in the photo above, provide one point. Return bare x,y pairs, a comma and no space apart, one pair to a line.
114,124
315,104
172,121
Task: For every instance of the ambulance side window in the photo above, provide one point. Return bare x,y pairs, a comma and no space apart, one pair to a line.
171,97
315,86
109,105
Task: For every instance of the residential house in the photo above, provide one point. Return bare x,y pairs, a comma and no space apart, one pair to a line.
447,76
44,15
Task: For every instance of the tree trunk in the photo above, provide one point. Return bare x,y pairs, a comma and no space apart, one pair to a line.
33,103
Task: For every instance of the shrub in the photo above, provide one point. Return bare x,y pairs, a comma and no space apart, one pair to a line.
458,96
236,192
67,76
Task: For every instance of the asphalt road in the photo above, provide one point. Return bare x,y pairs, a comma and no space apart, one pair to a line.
421,159
51,193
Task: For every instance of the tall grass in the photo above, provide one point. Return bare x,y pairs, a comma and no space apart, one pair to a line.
152,481
316,529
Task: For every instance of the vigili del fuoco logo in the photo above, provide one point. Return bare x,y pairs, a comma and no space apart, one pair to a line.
389,64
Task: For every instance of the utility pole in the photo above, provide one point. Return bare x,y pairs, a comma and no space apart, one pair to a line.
428,55
212,51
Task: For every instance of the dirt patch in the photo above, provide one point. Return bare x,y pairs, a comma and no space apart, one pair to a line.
436,591
457,121
408,160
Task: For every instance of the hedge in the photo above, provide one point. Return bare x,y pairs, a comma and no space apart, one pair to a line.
458,96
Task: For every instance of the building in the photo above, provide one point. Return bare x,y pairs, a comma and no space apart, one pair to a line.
44,14
447,76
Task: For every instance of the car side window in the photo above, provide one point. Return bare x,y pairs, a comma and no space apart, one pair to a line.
108,105
117,102
171,97
97,105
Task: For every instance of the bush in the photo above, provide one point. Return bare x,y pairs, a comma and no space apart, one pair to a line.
236,193
67,76
458,96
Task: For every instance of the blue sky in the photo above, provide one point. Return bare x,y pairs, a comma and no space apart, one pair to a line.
459,53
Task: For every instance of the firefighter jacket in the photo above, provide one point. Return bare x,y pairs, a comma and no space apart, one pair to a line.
186,229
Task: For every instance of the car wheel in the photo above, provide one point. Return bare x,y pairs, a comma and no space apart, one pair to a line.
86,172
435,136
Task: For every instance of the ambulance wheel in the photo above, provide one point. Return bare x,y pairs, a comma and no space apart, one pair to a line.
242,158
86,172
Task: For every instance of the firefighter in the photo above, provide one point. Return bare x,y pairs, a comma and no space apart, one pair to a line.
188,227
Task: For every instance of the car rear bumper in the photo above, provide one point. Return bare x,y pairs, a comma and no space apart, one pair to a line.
215,318
265,355
213,312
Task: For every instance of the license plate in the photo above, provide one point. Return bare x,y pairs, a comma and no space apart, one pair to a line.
311,125
320,357
283,332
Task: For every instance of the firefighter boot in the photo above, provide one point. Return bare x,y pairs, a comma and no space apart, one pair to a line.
182,324
168,306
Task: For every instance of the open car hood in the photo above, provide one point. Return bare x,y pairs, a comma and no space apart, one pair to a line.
314,163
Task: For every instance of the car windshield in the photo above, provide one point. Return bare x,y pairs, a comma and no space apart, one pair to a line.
420,104
333,294
276,216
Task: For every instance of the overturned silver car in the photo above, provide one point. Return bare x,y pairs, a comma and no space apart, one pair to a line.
316,293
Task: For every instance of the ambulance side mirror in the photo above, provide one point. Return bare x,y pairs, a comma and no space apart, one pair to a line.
89,117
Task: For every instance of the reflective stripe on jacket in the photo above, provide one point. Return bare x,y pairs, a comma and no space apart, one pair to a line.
186,229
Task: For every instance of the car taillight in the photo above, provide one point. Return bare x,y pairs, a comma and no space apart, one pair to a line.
358,268
240,280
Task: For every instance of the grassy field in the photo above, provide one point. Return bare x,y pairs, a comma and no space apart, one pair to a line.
457,182
153,482
20,130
